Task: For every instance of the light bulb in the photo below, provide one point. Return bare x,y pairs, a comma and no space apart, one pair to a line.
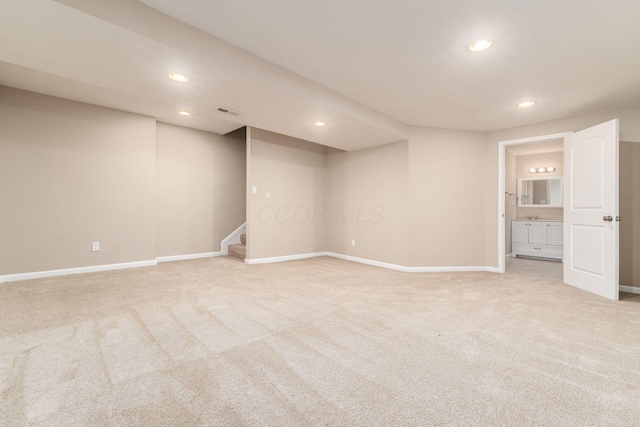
480,45
178,77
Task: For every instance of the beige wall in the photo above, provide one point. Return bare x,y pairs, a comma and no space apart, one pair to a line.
630,213
406,203
201,189
526,162
72,174
293,172
367,201
446,198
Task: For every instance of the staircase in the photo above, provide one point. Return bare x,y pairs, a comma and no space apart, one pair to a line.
239,250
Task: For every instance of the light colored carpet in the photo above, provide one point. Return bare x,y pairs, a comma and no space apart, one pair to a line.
319,342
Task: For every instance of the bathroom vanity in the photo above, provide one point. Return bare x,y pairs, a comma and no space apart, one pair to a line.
536,238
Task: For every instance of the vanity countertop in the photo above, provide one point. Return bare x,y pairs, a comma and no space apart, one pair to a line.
539,219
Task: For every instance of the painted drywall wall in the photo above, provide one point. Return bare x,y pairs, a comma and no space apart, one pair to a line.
201,189
72,174
446,198
284,216
406,203
367,201
526,162
630,213
629,131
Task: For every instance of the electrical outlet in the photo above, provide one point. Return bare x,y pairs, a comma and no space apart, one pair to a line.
268,195
353,242
95,246
254,190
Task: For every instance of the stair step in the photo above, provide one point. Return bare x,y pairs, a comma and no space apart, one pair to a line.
238,251
243,239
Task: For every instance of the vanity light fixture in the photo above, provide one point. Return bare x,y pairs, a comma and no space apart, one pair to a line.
181,78
480,45
319,124
184,113
546,169
526,104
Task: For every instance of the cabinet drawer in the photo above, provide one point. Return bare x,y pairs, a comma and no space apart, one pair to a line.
541,251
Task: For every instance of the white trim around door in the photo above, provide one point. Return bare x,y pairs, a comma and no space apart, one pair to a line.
501,186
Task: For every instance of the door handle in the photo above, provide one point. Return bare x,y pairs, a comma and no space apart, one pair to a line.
608,218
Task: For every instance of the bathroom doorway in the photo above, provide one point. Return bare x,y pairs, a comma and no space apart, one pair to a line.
533,209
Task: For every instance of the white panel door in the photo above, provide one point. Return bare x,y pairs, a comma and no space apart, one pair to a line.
591,209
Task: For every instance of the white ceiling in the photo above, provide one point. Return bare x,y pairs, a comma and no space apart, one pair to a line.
368,68
409,58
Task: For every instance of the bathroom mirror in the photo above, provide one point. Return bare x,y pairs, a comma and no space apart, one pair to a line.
540,192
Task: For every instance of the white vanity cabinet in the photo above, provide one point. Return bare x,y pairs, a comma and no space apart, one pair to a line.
540,239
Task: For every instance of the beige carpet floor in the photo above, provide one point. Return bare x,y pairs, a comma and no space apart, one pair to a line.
319,342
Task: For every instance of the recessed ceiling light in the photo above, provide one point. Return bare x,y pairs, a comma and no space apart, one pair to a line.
184,113
178,77
319,123
480,45
526,104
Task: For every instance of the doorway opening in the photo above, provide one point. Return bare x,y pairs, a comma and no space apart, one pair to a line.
533,209
531,171
535,221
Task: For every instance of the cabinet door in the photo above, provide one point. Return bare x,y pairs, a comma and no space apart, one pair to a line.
554,233
519,232
538,232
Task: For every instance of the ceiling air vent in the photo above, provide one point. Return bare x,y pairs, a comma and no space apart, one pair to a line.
228,111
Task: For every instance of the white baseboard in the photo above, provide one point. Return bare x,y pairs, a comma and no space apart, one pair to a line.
381,264
405,269
232,238
189,256
390,266
78,270
96,268
630,289
283,258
